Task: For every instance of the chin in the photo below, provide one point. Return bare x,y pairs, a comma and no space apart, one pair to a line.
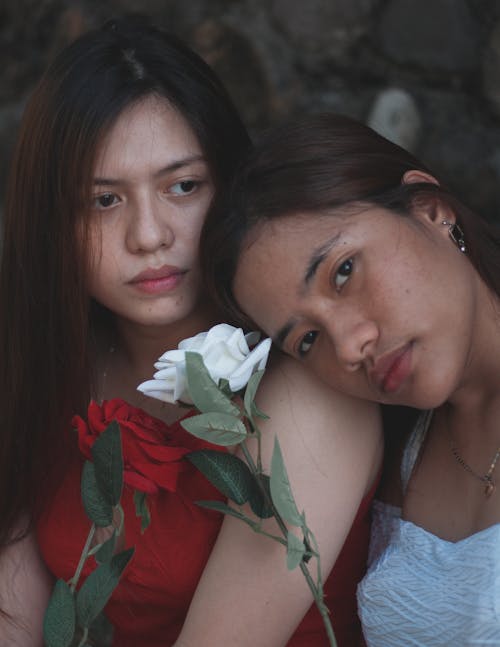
428,399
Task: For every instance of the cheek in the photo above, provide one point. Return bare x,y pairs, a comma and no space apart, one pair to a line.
256,302
188,232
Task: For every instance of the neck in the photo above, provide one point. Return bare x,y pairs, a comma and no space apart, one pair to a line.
474,406
141,345
481,375
127,355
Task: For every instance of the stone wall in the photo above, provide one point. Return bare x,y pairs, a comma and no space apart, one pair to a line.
424,72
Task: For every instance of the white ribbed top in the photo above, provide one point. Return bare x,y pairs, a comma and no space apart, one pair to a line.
421,590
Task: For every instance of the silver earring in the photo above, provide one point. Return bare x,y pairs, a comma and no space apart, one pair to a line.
456,234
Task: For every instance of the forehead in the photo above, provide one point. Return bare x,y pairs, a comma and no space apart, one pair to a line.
274,258
148,130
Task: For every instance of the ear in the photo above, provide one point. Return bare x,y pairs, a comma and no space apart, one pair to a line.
415,176
429,209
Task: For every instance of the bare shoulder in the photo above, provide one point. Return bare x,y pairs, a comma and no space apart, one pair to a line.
288,388
334,426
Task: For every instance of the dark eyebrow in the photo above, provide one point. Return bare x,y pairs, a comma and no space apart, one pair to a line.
173,166
317,257
283,332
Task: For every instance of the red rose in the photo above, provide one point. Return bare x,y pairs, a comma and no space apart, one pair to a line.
151,449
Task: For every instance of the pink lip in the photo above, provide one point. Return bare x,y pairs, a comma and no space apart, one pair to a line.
393,369
155,281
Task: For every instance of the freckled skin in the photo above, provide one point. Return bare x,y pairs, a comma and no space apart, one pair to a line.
409,285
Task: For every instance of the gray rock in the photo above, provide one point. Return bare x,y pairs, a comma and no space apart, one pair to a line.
438,35
491,69
395,115
237,63
323,28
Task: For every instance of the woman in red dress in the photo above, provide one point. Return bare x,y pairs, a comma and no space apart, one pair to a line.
123,150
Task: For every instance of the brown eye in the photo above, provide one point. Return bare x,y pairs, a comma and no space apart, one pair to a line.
343,273
105,200
306,342
184,188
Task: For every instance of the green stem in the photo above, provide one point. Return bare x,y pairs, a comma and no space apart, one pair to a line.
318,596
256,432
322,608
83,558
121,523
85,635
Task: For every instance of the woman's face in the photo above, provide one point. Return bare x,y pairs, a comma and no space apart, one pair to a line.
151,191
380,306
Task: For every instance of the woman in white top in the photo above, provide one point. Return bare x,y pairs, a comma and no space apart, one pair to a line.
358,262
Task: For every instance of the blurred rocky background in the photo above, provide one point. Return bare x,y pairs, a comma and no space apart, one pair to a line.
425,73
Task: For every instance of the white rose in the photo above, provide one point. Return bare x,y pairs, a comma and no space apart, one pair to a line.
226,355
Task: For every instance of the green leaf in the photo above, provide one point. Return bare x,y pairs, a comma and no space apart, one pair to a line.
294,551
281,492
228,473
142,509
108,462
225,388
98,587
97,508
250,407
218,428
59,620
257,500
101,631
106,550
219,506
204,392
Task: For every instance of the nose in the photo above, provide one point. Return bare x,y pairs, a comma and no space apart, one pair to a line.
149,226
354,337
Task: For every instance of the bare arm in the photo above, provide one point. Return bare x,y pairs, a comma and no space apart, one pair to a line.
332,446
25,587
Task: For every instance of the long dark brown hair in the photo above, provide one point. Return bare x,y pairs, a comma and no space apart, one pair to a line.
46,317
320,163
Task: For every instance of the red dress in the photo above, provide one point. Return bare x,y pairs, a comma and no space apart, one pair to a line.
149,606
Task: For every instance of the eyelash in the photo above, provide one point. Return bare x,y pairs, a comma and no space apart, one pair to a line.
101,207
195,184
343,271
309,342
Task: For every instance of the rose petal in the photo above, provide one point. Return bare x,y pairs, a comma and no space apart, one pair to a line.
255,361
163,476
167,374
173,356
180,390
193,343
158,390
139,482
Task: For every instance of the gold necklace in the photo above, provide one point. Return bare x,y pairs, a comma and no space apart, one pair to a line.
487,479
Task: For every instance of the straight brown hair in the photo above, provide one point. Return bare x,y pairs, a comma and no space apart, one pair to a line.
47,320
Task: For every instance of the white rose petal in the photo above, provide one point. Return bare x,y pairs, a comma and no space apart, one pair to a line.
191,343
155,389
256,361
226,354
173,356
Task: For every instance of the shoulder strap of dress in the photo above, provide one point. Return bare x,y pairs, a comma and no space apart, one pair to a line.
413,447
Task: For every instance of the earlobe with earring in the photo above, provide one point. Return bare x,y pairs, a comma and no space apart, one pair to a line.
456,234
